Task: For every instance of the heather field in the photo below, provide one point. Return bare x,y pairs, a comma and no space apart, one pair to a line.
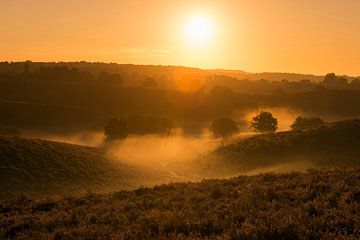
317,204
211,119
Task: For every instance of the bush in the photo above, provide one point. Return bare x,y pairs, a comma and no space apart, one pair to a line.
224,127
116,129
301,123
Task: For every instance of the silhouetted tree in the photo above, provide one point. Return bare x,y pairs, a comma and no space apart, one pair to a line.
330,78
355,83
264,122
301,123
116,129
224,127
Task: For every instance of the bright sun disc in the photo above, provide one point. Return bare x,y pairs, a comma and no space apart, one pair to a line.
199,29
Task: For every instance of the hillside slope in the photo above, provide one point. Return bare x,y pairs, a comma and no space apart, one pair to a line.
335,144
314,205
34,166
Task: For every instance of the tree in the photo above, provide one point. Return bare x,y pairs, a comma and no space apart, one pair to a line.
330,78
301,123
116,129
264,122
356,83
224,127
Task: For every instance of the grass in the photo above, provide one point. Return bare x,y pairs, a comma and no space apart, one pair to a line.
39,167
335,144
317,204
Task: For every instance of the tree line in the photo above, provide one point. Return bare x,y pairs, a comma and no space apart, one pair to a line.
264,122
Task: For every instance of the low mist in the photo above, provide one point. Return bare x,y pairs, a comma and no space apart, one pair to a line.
177,151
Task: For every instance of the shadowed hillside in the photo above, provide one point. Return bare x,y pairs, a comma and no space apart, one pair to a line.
34,166
314,205
334,144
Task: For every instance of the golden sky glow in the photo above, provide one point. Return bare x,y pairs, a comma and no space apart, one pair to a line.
271,35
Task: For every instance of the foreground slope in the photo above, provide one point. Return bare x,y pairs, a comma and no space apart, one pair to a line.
34,166
318,204
335,144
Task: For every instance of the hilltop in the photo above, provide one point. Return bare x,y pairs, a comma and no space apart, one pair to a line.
313,205
335,144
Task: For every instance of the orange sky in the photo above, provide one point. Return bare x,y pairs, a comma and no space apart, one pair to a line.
312,36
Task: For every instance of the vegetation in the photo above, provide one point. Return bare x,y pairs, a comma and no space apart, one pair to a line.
224,127
318,204
116,129
137,124
39,167
73,97
264,122
76,97
302,123
334,144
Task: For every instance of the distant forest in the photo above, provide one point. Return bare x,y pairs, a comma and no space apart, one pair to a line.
82,95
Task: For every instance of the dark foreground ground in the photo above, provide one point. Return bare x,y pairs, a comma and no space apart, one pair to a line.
318,204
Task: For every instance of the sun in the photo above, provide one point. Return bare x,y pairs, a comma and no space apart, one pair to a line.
199,29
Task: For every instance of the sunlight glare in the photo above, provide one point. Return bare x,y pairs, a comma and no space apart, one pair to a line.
199,29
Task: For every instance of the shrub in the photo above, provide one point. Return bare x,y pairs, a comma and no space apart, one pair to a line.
116,129
301,123
224,127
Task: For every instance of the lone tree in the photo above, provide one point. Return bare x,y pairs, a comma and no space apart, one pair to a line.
301,123
224,127
116,129
264,122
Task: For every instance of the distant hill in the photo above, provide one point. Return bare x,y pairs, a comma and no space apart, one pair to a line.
335,144
156,70
39,167
312,205
133,74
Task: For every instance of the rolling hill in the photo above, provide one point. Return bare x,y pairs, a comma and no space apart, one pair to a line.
335,144
40,167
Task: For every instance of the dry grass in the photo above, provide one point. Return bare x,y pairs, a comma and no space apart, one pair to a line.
333,145
318,204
